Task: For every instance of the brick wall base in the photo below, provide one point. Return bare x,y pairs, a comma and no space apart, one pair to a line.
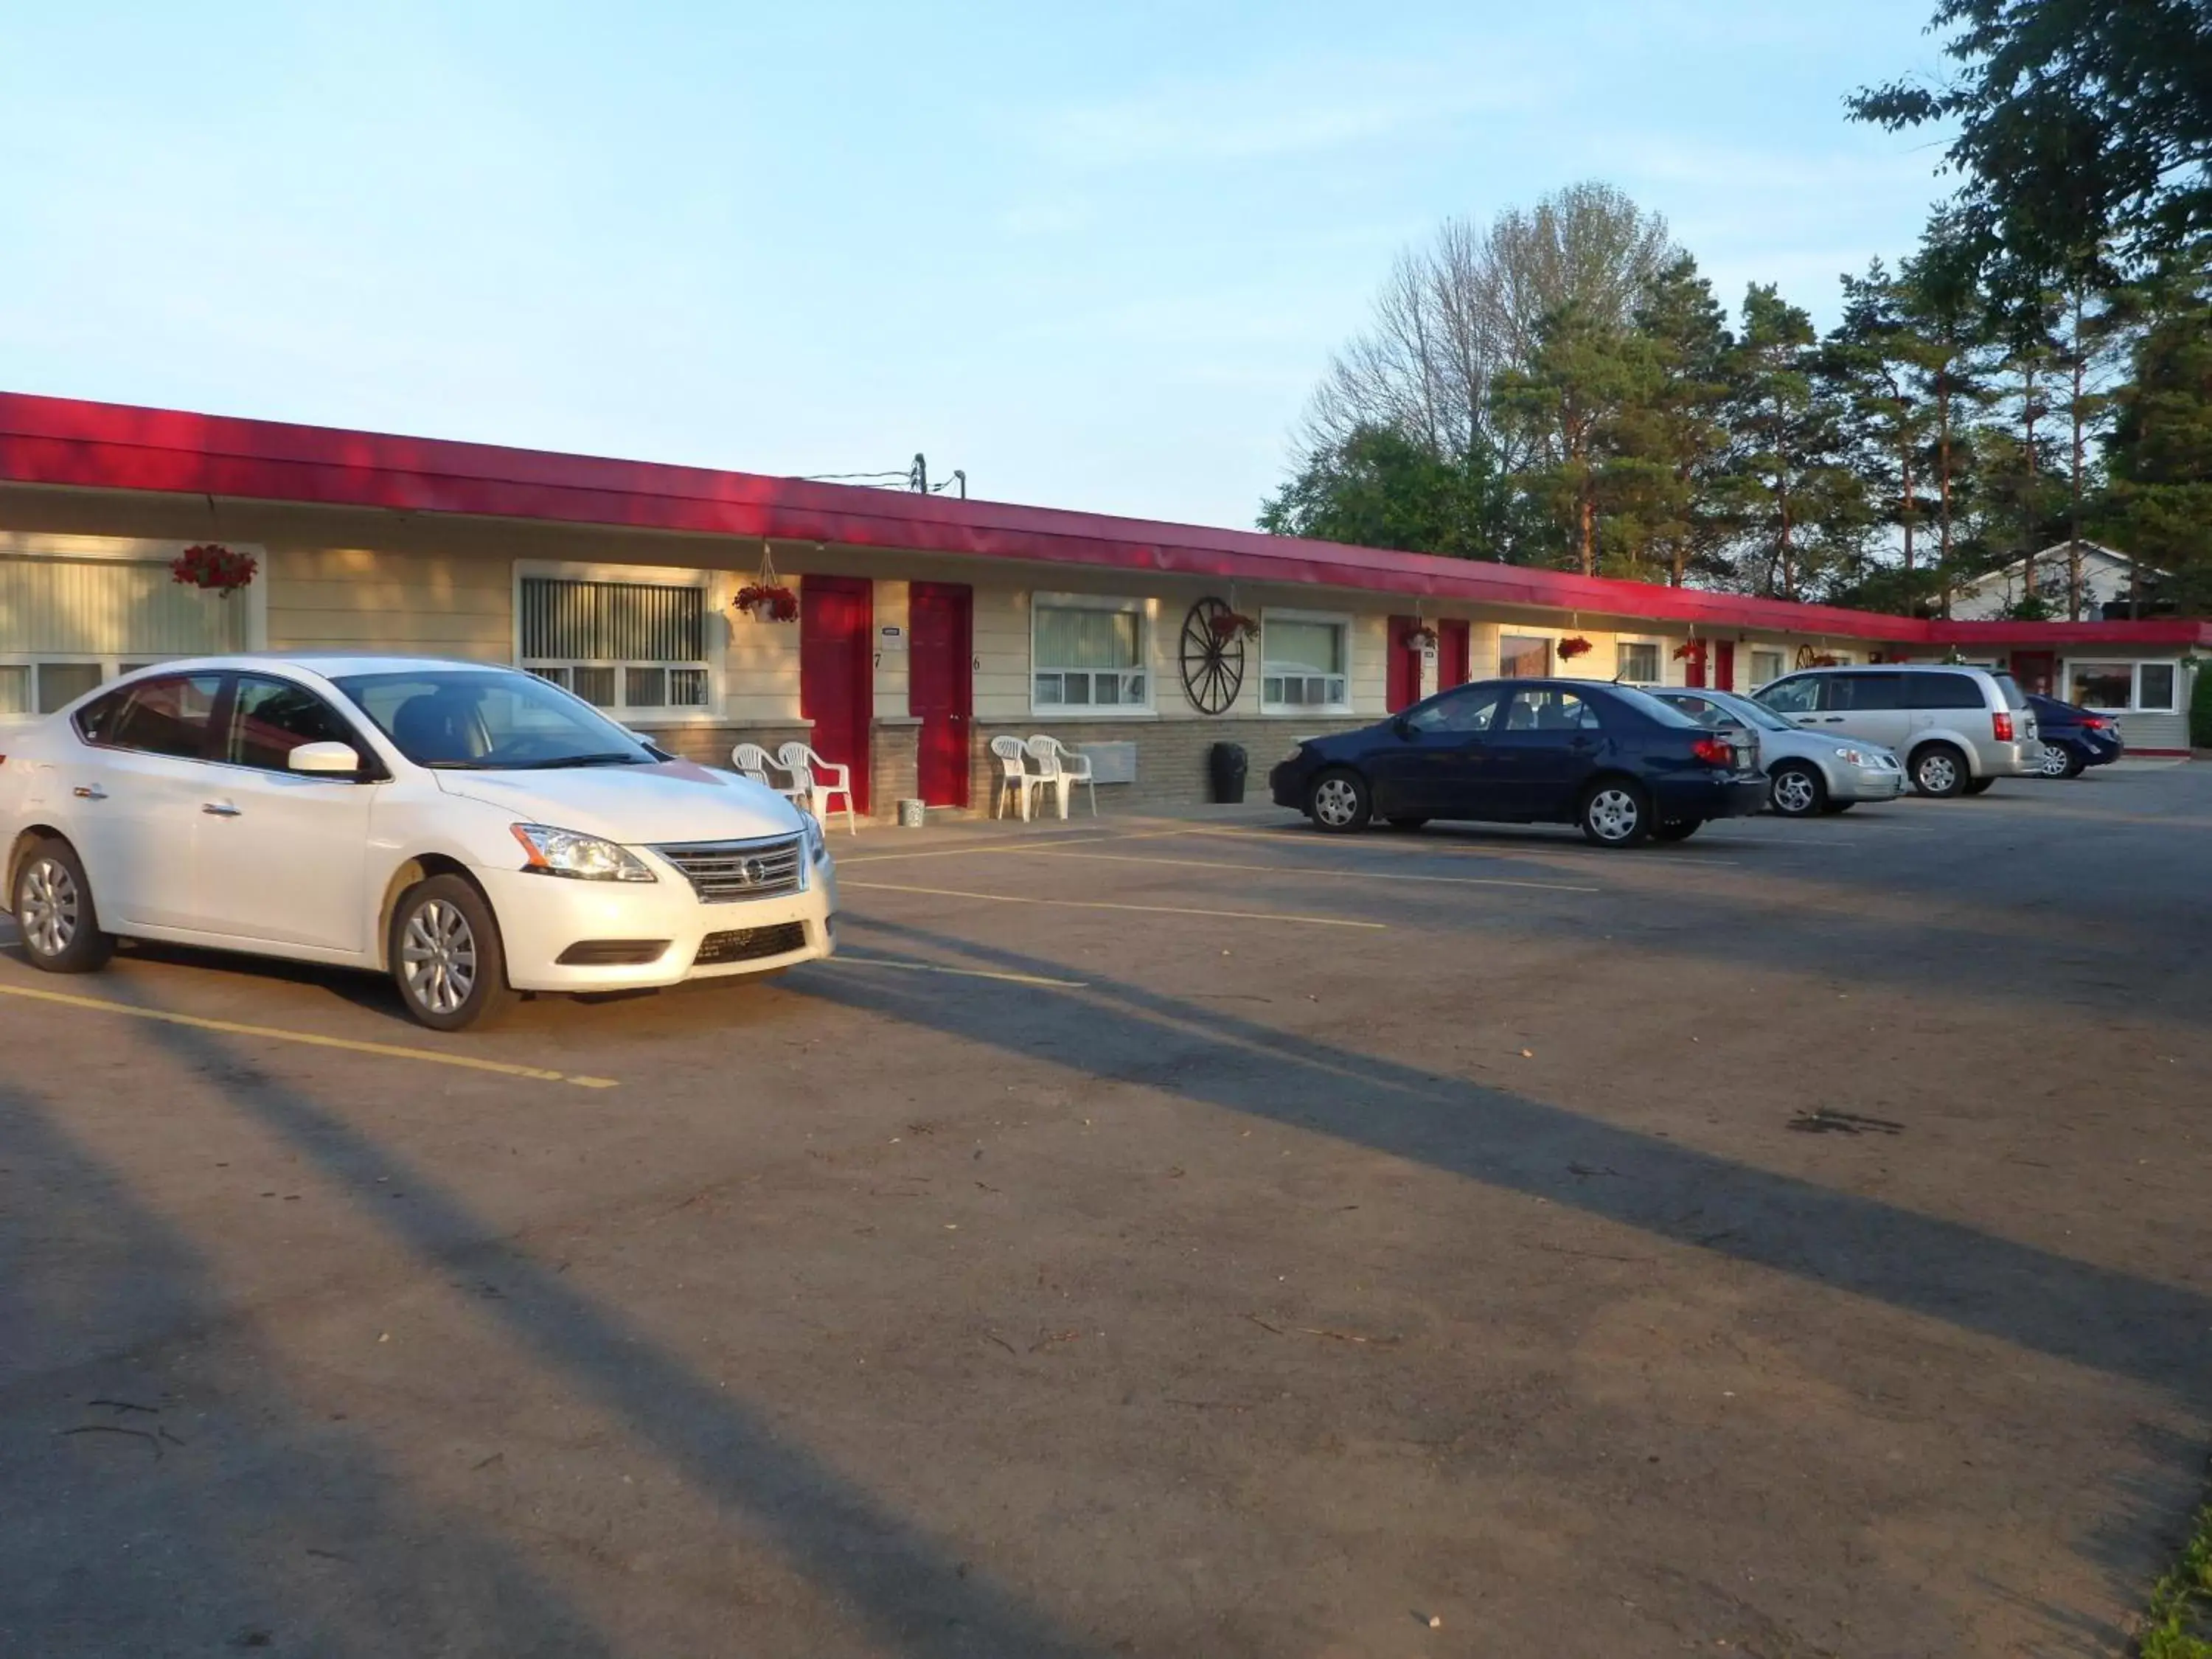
1171,756
894,764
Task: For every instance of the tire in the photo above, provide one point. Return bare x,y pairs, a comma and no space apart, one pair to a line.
1680,829
2076,766
2057,762
1939,770
1409,824
1615,813
1796,790
55,913
445,956
1978,786
1340,803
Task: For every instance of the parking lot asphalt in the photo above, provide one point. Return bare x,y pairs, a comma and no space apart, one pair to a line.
1159,1236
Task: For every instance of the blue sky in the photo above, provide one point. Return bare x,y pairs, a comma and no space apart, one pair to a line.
1095,256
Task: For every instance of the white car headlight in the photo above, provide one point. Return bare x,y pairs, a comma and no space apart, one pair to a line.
586,858
818,843
1851,756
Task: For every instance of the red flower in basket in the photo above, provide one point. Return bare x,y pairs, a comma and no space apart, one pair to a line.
1573,646
211,565
1228,624
1682,651
777,603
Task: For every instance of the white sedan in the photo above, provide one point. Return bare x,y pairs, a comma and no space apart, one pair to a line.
474,831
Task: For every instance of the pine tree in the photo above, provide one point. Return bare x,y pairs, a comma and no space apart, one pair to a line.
1870,363
2160,506
1563,411
1949,346
1674,434
1803,511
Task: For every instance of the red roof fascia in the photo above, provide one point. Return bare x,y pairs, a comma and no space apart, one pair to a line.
2187,632
92,445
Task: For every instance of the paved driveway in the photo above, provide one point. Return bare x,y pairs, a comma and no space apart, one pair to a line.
1153,1236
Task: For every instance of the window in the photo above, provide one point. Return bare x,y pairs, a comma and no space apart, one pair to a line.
1468,711
1798,695
1865,693
2143,687
1546,708
164,716
1765,666
1086,654
1302,663
628,646
269,718
1940,691
1521,658
1635,662
15,687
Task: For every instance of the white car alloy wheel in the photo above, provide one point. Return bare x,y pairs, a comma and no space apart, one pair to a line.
1336,802
1937,773
49,907
1795,792
1614,815
438,957
2054,762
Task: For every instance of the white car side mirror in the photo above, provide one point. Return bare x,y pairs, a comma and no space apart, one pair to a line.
324,757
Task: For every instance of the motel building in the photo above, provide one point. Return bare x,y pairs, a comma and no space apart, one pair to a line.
926,626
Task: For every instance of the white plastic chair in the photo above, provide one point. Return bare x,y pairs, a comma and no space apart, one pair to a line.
820,781
1016,780
750,759
1062,768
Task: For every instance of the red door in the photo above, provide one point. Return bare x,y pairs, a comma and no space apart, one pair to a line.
1453,657
1403,682
940,687
2035,671
837,671
1723,664
1693,665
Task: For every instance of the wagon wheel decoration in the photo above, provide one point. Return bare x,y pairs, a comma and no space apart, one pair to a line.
1212,658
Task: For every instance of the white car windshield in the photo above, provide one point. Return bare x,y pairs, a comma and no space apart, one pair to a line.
490,719
1756,713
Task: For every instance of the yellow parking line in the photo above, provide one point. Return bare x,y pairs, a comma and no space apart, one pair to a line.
842,960
1100,904
1310,870
388,1050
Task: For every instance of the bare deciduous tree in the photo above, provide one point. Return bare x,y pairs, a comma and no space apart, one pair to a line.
1470,305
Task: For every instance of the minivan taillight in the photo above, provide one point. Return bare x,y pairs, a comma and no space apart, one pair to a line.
2003,724
1714,751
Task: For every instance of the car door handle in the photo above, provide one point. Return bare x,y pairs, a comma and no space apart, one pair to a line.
89,792
219,809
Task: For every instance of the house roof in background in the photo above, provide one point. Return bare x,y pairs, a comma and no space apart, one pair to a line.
68,443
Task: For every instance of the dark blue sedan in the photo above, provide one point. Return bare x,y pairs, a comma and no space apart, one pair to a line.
1622,765
2074,739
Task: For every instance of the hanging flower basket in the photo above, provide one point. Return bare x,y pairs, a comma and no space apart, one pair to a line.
1233,624
1573,646
1824,659
767,598
1685,650
214,567
767,604
1423,638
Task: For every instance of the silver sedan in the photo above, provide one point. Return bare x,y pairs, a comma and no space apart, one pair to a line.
1809,772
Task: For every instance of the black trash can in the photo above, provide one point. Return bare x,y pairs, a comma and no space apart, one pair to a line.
1228,763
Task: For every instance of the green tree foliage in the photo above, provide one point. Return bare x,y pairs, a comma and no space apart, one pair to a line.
2083,127
1564,413
2160,507
1379,487
1803,509
1872,362
1677,508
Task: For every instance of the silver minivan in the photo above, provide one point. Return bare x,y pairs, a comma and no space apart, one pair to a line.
1958,729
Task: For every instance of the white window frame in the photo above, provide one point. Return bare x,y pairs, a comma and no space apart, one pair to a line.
717,586
1144,708
1660,647
2134,665
126,550
1342,619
